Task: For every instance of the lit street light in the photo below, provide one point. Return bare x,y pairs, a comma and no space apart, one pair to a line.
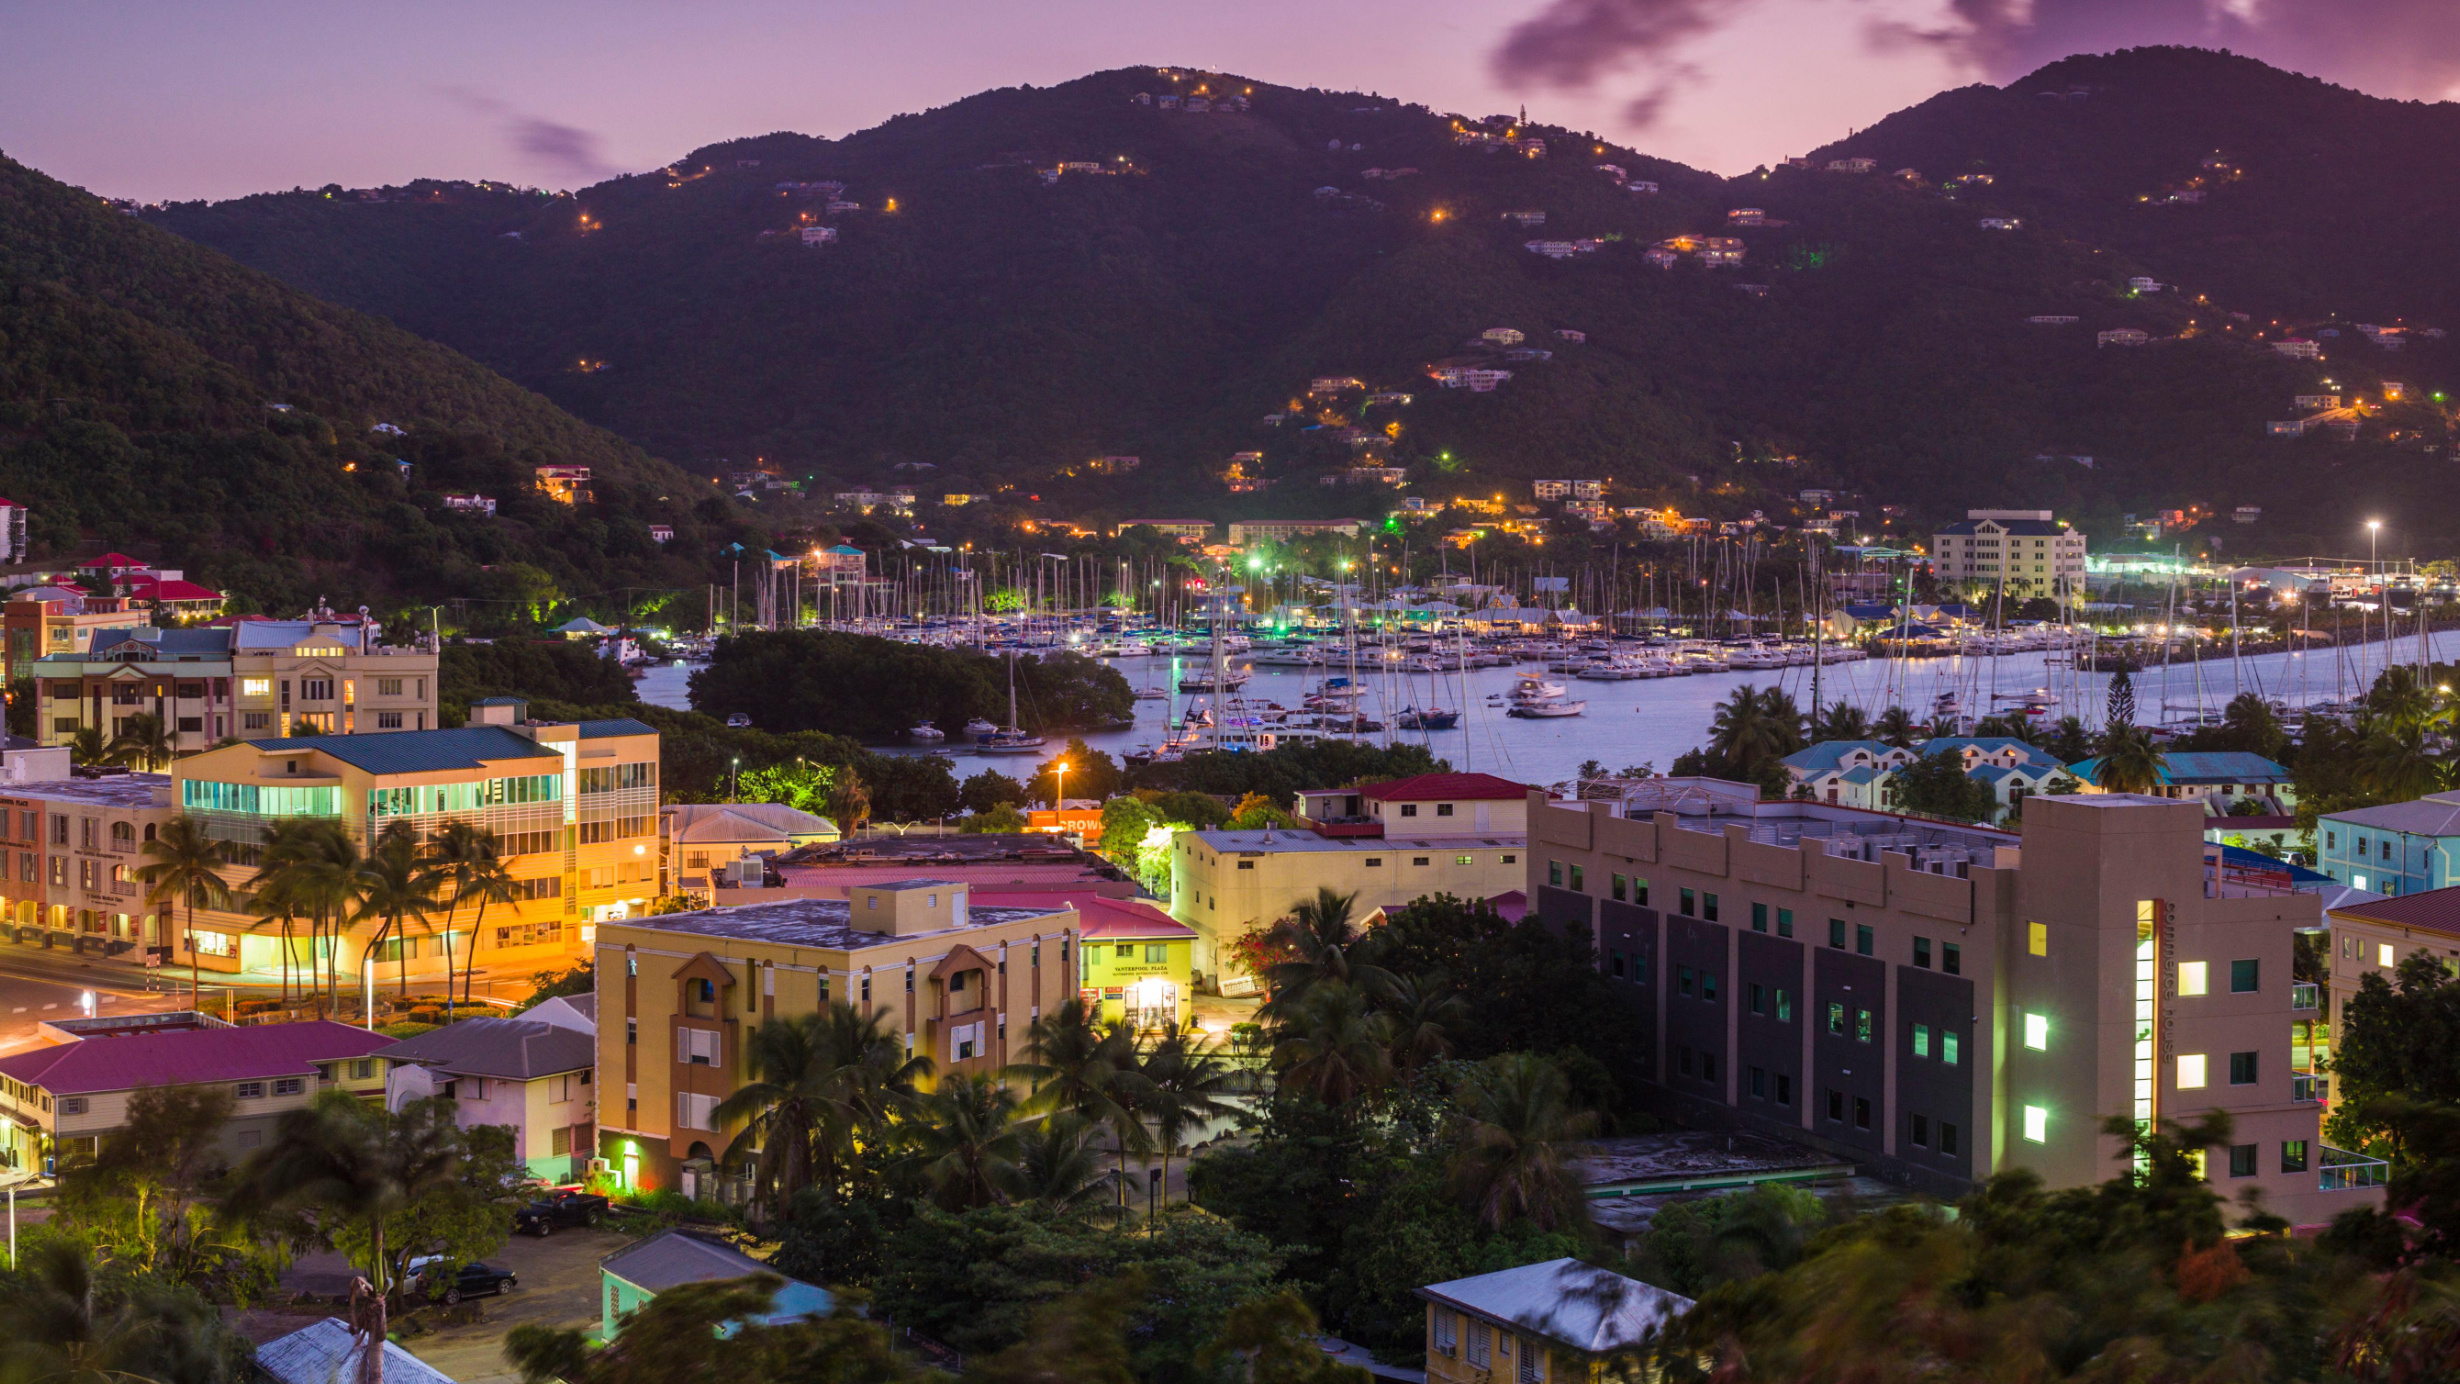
2373,526
1059,774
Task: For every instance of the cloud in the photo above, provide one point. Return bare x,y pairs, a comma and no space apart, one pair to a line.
562,151
2397,48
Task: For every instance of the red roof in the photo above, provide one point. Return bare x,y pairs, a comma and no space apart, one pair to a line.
1102,917
190,1057
2435,910
153,588
112,560
1446,788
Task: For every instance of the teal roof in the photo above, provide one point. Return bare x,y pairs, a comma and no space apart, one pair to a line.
592,730
419,751
1828,754
2195,768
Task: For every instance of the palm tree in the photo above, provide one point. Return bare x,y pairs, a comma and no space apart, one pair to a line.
395,886
1739,734
1333,1046
1187,1085
964,1142
348,1160
144,742
56,1331
823,1087
1056,1163
2396,763
1843,721
1783,720
87,746
272,905
467,863
487,877
2129,762
1079,1066
1514,1116
1896,727
1318,940
1424,1011
314,862
184,867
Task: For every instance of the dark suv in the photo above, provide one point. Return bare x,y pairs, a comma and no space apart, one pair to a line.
542,1216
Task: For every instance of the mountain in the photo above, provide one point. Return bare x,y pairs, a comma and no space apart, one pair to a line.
1005,326
157,395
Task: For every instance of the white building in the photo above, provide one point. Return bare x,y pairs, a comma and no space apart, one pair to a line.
2024,552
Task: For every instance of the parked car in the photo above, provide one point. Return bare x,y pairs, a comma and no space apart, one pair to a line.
473,1280
542,1216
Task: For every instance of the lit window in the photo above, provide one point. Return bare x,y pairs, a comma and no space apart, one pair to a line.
2037,1032
2038,935
2192,977
2384,956
2190,1071
2036,1124
256,687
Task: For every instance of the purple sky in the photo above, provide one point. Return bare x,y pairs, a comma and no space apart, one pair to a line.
156,100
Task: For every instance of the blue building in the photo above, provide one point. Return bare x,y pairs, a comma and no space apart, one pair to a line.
2222,778
2398,849
1860,773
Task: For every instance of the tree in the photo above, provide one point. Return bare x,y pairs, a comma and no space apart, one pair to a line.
184,869
1056,1163
849,801
1424,1012
1937,785
1002,820
2396,1047
1842,720
1256,812
142,743
2118,701
1894,727
313,864
352,1162
1077,1065
1091,774
1125,824
65,1323
2069,742
1186,1086
1515,1118
712,1333
1315,943
823,1090
143,1198
1332,1045
989,789
467,865
1692,1246
2129,763
1277,1339
394,887
964,1141
87,746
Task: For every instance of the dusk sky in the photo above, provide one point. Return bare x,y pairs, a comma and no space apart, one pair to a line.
156,100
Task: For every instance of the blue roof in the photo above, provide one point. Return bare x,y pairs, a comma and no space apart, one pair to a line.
2198,767
1829,754
1988,744
1866,774
592,730
418,751
2257,860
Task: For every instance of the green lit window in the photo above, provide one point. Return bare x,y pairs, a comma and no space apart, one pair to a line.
2037,1032
1921,1040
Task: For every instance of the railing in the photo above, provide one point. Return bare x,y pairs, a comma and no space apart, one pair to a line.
2306,1086
2345,1171
2305,994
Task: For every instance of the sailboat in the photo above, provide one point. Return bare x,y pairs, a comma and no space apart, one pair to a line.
1009,739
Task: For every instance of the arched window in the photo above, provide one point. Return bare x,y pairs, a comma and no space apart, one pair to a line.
123,836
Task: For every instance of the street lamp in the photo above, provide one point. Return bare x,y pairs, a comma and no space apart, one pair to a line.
1059,774
2373,526
734,783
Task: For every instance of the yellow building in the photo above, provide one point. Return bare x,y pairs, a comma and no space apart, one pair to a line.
574,808
678,994
1138,964
1552,1323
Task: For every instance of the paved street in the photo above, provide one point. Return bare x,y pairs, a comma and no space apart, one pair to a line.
36,985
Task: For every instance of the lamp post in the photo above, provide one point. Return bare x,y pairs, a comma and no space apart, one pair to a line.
2373,526
1059,774
734,780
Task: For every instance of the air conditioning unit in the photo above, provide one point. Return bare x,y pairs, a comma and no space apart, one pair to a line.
599,1167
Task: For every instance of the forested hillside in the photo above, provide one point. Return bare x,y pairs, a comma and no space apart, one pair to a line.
157,396
1005,327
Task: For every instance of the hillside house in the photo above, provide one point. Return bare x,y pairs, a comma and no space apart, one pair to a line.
2052,319
2320,401
2143,283
1661,257
1528,353
1142,98
1335,384
1640,186
1560,249
564,484
1533,148
1473,375
1526,220
470,504
1746,216
1243,532
2122,336
1081,166
661,533
1390,398
1502,336
1972,180
2394,391
1719,257
2298,348
2246,514
1198,105
1612,170
819,235
2285,427
1114,466
1388,174
1571,335
1755,290
1854,165
2000,223
837,206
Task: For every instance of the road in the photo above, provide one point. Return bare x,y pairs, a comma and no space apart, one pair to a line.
37,985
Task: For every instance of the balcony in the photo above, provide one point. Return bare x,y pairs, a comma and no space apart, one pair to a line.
2305,994
2344,1171
2310,1088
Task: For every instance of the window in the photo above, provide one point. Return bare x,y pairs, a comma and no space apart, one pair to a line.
1554,873
1644,893
632,1033
1682,979
2037,938
2293,1155
256,687
1759,917
1528,1368
1921,1040
2242,1160
1481,1343
1639,887
1708,907
2190,1071
1947,1046
1785,1007
1952,959
1785,922
1836,933
1409,809
362,1068
289,1086
1708,1066
1375,862
1862,1112
1614,964
2193,977
1682,1059
1785,1089
1447,1331
1443,809
1621,887
1418,860
388,687
695,1111
316,689
2242,976
388,720
1690,904
2242,1069
1578,883
1947,1137
1759,1000
1836,1020
1247,864
1836,1105
72,1105
1708,986
1921,1131
1759,1083
248,1090
2384,956
2037,1032
1862,1025
1921,952
2036,1125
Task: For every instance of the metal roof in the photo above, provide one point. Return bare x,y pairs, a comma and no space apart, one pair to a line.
1286,839
595,730
2436,814
518,1049
330,1353
2436,910
1567,1302
190,1056
1438,787
816,923
418,751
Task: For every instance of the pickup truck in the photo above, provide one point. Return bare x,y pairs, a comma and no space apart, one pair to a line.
542,1216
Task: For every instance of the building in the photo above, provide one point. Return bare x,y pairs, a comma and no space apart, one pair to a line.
2219,779
1138,963
958,984
564,484
2122,336
527,1075
1184,530
2000,223
1557,1322
56,620
2021,551
329,1352
697,839
1862,773
2372,936
1941,1002
574,807
13,538
1501,336
75,846
1335,384
818,235
249,680
2397,849
631,1276
990,862
1853,165
1114,465
2053,319
1246,532
69,1095
1473,374
471,504
2298,348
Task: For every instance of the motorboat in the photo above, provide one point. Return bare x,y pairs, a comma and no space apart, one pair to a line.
1546,708
977,728
926,734
1530,689
1432,718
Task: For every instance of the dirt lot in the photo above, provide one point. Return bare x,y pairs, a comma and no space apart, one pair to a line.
558,1279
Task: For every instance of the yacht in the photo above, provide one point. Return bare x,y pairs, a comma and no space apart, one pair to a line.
1546,708
1432,718
926,734
1010,738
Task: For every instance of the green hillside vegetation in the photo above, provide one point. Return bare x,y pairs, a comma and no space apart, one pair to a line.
877,689
1005,331
137,377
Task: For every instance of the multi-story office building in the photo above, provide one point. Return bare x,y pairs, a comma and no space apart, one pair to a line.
956,983
254,680
70,849
574,807
2024,552
1943,1002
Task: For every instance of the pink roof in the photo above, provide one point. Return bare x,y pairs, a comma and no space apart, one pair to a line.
157,589
190,1057
1102,917
111,560
1446,787
989,875
1512,904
